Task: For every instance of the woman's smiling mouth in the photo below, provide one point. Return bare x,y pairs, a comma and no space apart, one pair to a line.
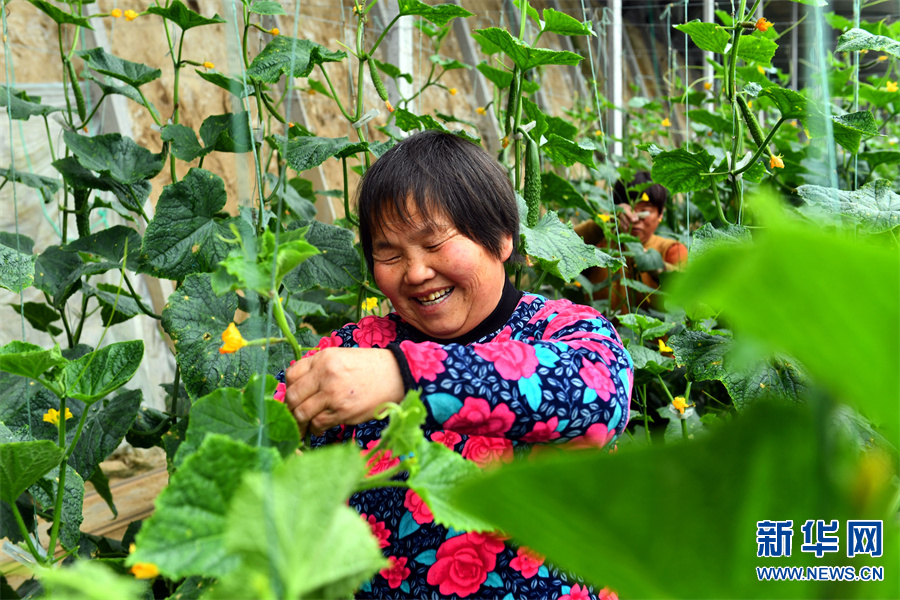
434,297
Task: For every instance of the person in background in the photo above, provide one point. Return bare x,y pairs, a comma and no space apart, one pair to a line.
641,210
499,370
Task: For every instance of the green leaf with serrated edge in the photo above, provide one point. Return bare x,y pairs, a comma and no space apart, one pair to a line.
101,484
645,259
230,84
20,106
880,157
562,128
304,153
90,580
876,205
646,326
448,64
682,171
708,237
713,121
706,36
44,491
441,471
877,97
184,17
403,433
428,122
859,39
227,133
566,152
110,244
47,186
524,55
563,24
755,173
150,426
531,11
499,77
388,69
560,193
439,14
757,49
250,265
114,155
40,316
791,104
195,317
532,113
20,243
285,55
110,86
300,206
28,360
557,249
378,149
103,371
105,427
184,144
337,265
266,7
24,463
186,235
847,130
186,534
16,269
131,195
132,73
649,361
405,120
338,552
62,18
756,285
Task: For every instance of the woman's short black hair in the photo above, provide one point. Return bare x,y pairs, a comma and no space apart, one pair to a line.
440,174
656,194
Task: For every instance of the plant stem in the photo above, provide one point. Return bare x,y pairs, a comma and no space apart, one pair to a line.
684,431
25,533
732,62
61,483
78,430
665,389
334,95
281,319
176,390
140,304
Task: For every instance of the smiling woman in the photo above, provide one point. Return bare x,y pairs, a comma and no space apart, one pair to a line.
499,370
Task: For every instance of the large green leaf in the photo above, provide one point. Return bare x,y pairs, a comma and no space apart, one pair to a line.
16,269
23,464
791,104
114,155
132,195
132,73
231,84
557,249
186,534
683,171
227,133
47,186
184,17
713,121
848,130
103,371
524,55
649,361
28,360
186,234
645,326
499,77
72,514
117,305
61,17
19,242
304,153
880,157
563,24
90,580
706,36
58,274
765,289
104,428
322,548
686,499
266,7
567,153
259,265
111,244
440,14
709,357
250,416
876,205
337,266
757,49
184,142
708,237
285,55
859,39
109,86
40,316
195,317
20,106
559,192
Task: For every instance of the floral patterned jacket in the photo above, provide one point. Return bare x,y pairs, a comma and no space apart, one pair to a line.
536,371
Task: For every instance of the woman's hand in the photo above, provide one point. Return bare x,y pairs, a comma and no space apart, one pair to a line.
341,386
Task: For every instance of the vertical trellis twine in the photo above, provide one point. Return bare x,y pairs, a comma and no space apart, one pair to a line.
687,127
856,11
819,62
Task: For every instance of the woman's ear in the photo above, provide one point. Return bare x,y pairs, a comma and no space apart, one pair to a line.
506,248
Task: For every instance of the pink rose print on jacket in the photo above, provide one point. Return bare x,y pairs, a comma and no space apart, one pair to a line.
486,450
543,432
396,572
380,461
595,346
463,563
425,359
598,378
380,532
280,391
420,511
577,593
571,315
375,332
477,418
447,438
332,341
513,359
527,562
597,436
607,594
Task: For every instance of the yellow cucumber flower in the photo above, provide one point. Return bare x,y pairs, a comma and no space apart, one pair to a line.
145,570
116,13
603,217
52,416
452,91
208,65
664,348
680,404
370,304
892,86
232,340
130,15
775,162
707,85
763,25
666,122
480,110
274,31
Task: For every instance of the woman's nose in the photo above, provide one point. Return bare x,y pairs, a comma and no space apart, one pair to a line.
418,271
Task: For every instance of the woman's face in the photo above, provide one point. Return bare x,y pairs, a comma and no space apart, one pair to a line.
441,282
